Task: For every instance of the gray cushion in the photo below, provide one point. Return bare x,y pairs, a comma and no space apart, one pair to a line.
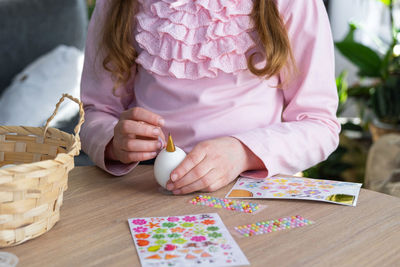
30,28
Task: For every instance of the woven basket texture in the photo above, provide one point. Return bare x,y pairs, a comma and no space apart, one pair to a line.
31,192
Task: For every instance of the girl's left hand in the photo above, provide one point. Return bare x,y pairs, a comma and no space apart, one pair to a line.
211,165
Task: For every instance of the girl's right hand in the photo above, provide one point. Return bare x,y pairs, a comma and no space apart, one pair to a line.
137,136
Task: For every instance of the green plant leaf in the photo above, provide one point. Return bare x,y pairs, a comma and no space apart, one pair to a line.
386,2
342,86
350,35
366,59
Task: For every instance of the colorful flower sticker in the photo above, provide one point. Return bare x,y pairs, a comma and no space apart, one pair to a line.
154,248
198,238
179,241
139,221
215,235
188,234
293,192
199,231
140,229
189,218
152,225
142,243
158,236
174,235
142,236
312,192
212,228
170,247
207,222
169,224
178,230
161,242
326,186
283,187
226,246
205,216
187,224
310,185
173,219
160,231
251,185
213,248
278,194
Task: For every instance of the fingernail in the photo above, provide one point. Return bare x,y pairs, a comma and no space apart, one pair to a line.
174,177
176,192
170,187
153,154
161,141
161,122
159,145
156,131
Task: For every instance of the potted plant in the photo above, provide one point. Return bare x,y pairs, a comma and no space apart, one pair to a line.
382,95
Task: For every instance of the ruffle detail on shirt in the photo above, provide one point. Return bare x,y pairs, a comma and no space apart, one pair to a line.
193,39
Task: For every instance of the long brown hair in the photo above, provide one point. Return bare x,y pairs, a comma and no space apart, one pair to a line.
121,55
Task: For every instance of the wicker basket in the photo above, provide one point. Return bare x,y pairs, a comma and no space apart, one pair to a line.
31,193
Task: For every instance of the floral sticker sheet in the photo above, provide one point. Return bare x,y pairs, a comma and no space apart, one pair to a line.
282,187
190,240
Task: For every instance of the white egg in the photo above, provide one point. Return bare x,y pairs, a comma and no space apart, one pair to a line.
165,163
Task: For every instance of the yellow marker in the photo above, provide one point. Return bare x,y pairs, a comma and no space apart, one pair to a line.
170,144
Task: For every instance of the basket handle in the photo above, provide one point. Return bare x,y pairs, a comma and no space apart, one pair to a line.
81,115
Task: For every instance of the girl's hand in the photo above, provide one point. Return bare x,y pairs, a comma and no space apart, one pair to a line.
211,165
137,136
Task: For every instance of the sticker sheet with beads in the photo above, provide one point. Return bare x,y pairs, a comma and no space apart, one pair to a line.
283,187
270,226
189,240
228,204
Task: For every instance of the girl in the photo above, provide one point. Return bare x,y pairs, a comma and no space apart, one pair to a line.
244,86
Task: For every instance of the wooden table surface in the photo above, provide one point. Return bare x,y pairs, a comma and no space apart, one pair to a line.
93,230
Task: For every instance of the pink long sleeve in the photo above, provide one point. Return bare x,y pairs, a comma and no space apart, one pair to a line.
309,129
102,108
192,71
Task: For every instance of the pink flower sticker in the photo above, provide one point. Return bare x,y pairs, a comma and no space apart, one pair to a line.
173,219
198,238
189,218
188,234
139,221
226,246
140,229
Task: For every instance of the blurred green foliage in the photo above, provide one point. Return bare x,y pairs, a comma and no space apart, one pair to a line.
91,4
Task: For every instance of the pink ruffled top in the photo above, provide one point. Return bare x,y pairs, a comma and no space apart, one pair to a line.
193,39
192,70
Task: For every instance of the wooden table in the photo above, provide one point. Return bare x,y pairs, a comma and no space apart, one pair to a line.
93,230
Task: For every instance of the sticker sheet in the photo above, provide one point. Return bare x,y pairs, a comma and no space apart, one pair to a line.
282,187
270,226
189,240
228,204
